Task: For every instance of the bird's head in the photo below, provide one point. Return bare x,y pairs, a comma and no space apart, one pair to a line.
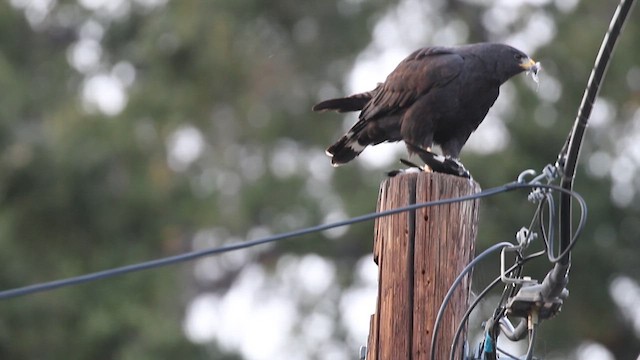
510,61
529,65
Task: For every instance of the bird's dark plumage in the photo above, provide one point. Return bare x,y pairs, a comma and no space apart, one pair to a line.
437,95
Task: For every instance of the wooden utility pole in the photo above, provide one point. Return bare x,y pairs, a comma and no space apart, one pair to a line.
419,254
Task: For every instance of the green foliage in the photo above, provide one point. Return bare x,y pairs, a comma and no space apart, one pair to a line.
85,187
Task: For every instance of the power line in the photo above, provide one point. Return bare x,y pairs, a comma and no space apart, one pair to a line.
456,282
544,199
518,265
568,157
171,260
552,291
495,247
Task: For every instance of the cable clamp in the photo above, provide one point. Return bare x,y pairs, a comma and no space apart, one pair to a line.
525,237
525,280
537,194
551,172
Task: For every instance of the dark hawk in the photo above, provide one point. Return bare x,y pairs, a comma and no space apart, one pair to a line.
436,96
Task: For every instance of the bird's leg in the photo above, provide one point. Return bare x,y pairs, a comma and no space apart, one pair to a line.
442,164
412,168
424,153
461,170
437,163
425,167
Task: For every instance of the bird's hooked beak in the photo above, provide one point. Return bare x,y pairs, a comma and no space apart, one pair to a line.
531,67
528,64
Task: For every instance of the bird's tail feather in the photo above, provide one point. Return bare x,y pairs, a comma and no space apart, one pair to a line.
340,105
354,102
345,149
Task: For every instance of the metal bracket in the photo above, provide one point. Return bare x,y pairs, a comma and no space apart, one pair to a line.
503,272
530,299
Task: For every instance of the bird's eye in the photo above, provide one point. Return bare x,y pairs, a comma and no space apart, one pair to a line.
518,56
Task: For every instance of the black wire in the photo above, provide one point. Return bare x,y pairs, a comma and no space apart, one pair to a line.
570,153
508,291
532,340
484,293
574,238
500,310
511,289
465,317
170,260
548,236
537,216
456,282
568,157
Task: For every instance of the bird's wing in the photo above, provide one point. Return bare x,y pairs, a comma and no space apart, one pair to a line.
412,78
350,103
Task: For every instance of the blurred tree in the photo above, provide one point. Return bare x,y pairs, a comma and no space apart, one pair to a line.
134,129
